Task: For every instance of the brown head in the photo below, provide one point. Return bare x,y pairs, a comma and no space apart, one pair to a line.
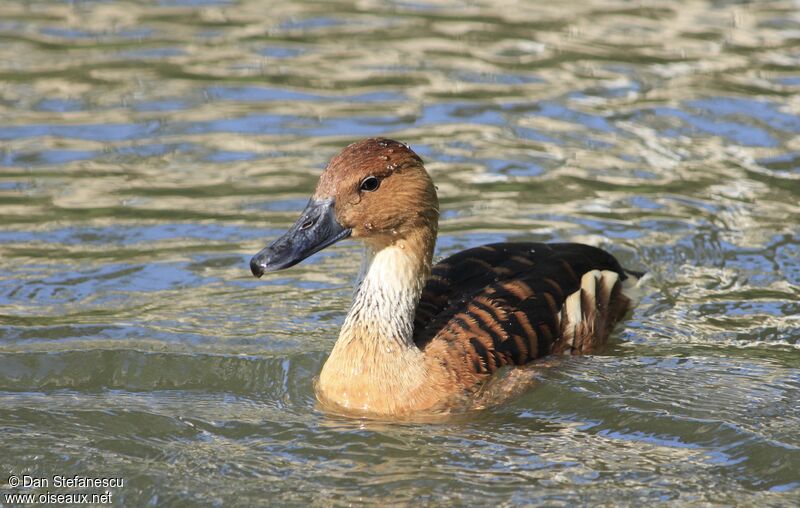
376,190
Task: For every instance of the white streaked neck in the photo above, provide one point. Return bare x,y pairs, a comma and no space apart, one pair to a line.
386,296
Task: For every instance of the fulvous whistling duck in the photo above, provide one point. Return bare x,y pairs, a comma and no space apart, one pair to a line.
419,337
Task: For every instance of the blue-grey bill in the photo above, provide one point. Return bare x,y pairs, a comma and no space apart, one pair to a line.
316,229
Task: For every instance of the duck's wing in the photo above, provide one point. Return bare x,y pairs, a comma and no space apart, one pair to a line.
510,303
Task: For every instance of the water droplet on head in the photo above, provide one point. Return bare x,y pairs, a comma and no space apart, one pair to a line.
394,232
369,226
383,157
382,144
391,150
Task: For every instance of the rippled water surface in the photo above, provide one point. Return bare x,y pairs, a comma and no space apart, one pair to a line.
147,149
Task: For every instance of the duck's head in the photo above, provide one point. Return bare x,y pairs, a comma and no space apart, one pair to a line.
376,190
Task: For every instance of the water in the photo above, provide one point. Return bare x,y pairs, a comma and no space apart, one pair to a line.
148,149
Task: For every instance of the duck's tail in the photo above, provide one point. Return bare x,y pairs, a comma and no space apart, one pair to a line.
588,315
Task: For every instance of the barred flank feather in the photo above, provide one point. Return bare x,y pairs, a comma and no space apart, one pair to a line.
511,303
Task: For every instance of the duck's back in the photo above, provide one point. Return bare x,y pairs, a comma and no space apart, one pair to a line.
511,303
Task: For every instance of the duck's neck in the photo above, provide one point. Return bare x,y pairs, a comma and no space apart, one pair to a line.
386,295
375,357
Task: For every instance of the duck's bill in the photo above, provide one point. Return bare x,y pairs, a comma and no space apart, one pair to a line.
316,229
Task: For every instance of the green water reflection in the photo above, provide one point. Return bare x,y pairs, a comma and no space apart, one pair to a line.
147,149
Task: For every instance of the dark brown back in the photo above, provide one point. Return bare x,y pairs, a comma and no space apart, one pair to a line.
500,304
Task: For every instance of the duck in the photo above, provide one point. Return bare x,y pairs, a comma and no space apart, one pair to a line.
422,337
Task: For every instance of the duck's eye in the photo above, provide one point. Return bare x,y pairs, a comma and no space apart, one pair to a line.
370,184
